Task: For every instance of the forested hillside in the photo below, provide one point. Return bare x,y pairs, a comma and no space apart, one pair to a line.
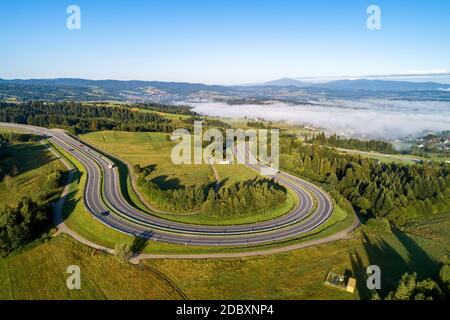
394,191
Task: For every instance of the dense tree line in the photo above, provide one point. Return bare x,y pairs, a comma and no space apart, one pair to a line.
79,118
4,153
339,142
4,142
397,192
259,125
175,109
258,196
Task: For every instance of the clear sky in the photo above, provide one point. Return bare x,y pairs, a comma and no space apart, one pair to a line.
221,41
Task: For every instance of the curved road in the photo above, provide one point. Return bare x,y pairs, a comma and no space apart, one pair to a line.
104,200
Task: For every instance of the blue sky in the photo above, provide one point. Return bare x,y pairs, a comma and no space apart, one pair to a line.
218,41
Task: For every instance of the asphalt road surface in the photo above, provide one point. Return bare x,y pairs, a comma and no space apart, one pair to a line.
104,200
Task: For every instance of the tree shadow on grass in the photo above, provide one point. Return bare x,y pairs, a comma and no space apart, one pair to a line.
392,264
164,183
70,203
140,242
25,157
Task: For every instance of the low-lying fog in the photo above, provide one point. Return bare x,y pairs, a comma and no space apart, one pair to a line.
388,119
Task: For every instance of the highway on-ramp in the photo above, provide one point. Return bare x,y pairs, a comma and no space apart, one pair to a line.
104,200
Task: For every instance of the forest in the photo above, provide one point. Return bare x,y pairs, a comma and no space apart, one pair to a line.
3,153
397,192
77,118
411,288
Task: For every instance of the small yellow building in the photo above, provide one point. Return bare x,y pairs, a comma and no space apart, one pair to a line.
351,285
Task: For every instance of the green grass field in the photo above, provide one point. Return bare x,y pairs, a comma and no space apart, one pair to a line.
148,148
41,273
27,169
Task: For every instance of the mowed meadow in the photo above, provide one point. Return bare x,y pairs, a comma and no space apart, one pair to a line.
154,149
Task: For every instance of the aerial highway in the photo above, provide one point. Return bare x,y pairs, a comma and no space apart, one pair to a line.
104,200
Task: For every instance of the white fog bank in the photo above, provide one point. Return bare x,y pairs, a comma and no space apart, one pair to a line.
374,118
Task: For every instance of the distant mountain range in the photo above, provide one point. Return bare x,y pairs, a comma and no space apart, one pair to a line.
286,89
362,84
186,87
